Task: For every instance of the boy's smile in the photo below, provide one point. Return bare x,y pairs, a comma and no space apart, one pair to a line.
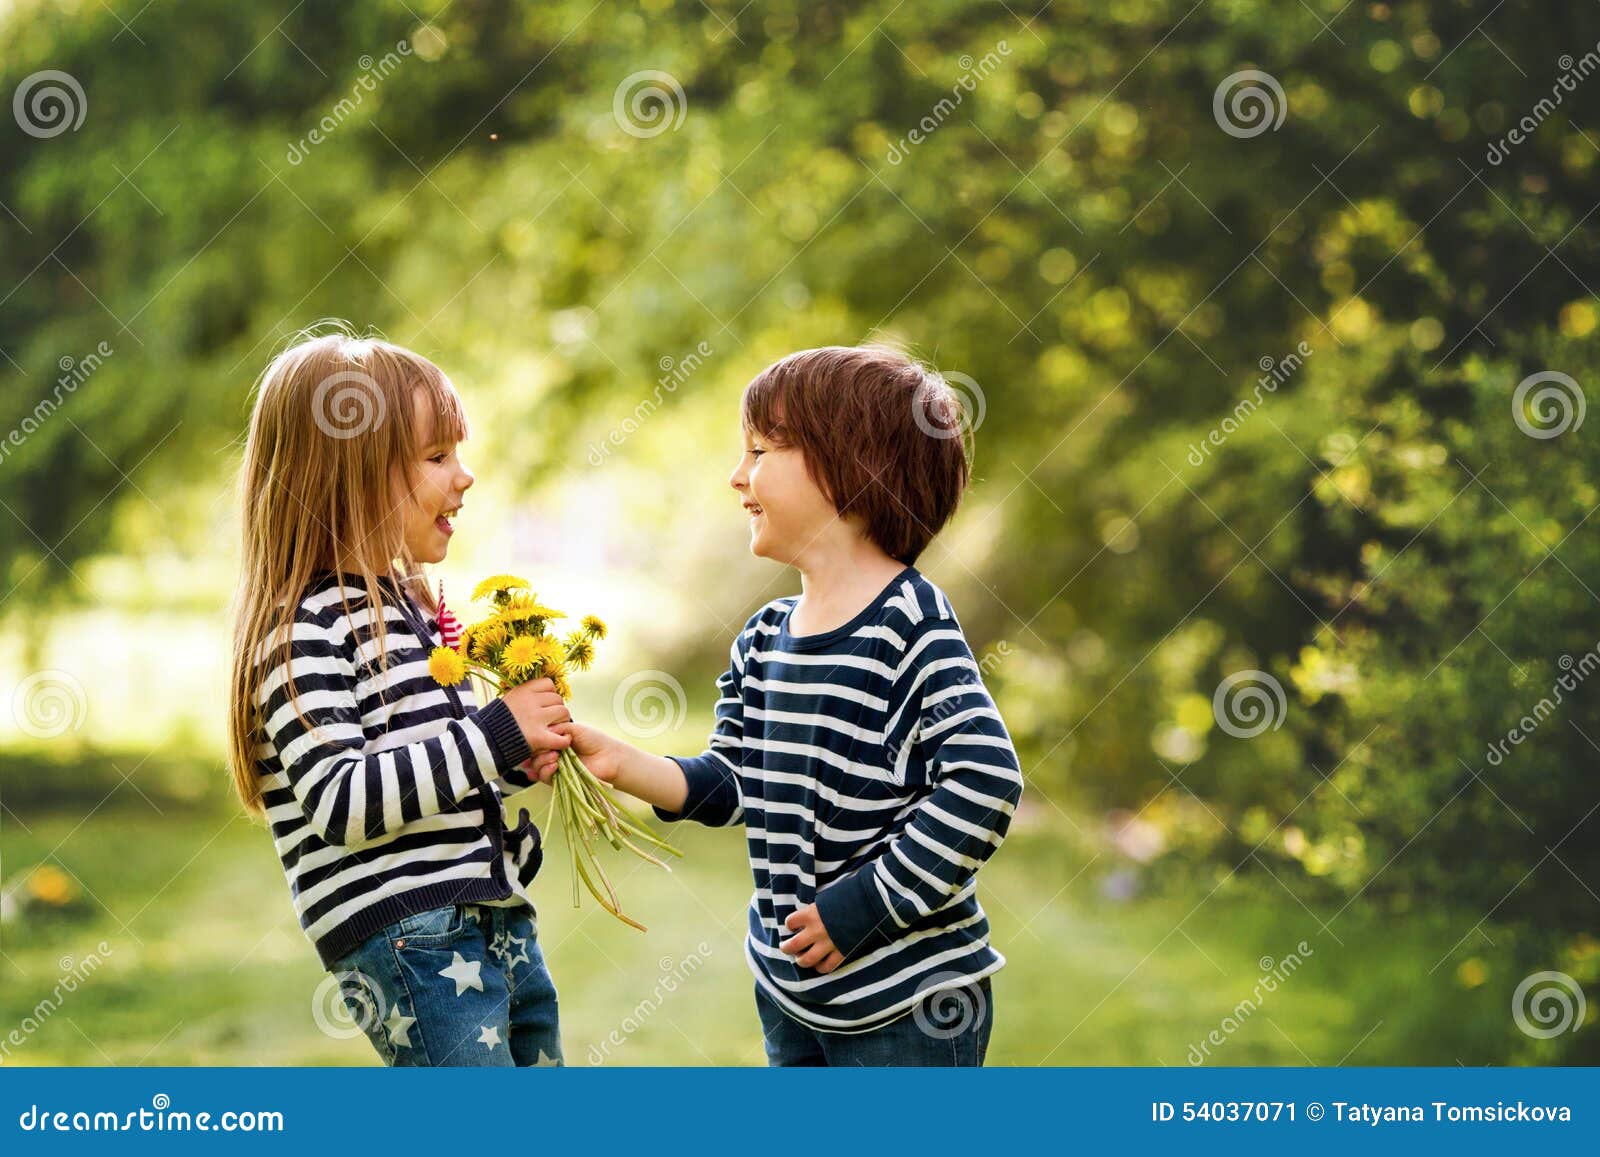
787,509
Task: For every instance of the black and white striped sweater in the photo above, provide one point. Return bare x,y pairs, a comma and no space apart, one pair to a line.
390,802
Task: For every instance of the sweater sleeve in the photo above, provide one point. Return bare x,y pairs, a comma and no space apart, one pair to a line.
713,777
352,799
951,739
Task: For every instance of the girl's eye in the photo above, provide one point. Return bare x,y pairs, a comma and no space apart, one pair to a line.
437,457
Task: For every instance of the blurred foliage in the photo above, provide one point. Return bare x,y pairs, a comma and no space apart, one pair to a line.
1078,235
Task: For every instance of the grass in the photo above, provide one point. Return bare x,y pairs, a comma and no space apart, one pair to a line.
205,964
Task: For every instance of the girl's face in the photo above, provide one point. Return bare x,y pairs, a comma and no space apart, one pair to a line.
438,486
787,510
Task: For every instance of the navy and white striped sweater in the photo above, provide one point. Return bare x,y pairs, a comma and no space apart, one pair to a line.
873,776
389,804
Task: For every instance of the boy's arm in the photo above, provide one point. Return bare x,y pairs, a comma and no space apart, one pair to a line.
703,788
711,783
949,721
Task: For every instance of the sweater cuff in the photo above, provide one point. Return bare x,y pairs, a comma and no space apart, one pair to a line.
505,737
854,915
707,778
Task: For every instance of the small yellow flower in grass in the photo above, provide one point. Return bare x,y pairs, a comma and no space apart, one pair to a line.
447,666
523,658
496,583
595,625
51,885
580,650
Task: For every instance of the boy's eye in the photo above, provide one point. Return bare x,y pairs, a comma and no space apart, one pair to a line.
757,453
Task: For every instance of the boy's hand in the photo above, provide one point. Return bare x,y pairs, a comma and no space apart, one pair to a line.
588,744
811,945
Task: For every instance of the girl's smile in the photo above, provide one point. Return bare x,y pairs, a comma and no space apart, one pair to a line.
439,483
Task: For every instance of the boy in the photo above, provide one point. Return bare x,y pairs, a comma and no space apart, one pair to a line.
854,739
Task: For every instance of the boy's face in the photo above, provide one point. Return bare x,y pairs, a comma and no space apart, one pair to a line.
438,486
788,511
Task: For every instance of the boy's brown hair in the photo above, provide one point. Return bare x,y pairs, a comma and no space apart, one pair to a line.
882,437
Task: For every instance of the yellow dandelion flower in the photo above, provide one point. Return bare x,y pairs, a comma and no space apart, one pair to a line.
559,675
580,650
496,583
523,657
550,654
481,639
595,625
447,666
525,608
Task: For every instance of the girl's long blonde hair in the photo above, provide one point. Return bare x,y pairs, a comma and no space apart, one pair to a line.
334,435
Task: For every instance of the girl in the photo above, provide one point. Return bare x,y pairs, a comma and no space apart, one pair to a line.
382,788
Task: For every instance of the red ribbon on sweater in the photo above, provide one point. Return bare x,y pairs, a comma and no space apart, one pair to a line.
449,625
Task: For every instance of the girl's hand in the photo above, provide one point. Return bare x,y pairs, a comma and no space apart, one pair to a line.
538,709
541,767
597,750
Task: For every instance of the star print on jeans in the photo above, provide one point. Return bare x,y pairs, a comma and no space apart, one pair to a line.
464,972
489,1036
501,948
399,1027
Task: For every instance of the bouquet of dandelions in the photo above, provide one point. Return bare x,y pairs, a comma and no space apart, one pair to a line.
514,645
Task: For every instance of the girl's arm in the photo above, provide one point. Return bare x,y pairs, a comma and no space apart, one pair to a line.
352,799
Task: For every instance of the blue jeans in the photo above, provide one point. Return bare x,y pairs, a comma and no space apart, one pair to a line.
949,1028
460,985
